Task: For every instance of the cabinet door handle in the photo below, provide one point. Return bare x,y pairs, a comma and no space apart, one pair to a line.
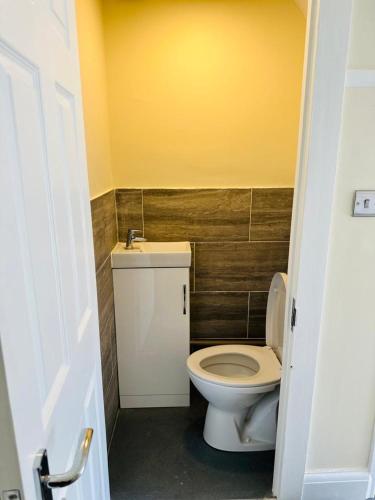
184,290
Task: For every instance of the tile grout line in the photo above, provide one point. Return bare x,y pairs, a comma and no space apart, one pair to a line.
250,210
195,338
105,325
116,215
143,216
113,375
109,444
102,264
231,291
112,367
248,315
202,188
215,242
205,340
194,268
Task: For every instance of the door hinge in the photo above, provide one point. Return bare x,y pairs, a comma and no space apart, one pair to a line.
293,317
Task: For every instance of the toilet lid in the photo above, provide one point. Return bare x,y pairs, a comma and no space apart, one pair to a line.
275,314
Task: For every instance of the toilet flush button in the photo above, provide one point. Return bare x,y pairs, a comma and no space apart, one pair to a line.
364,204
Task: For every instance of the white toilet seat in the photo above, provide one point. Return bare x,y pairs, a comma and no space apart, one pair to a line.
267,368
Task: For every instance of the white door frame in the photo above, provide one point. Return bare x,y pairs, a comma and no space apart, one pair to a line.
363,78
327,40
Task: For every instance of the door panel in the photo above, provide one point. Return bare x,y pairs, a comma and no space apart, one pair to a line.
59,9
48,310
73,249
25,144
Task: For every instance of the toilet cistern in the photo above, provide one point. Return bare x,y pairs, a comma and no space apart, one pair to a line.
131,236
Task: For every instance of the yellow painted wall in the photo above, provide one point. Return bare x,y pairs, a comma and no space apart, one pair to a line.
94,93
203,92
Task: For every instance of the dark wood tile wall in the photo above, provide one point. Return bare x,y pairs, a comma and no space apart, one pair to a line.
239,239
129,204
104,223
238,266
197,215
104,226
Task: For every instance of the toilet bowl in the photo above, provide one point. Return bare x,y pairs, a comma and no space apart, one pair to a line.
241,384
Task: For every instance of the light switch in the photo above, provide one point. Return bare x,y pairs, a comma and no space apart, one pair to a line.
364,204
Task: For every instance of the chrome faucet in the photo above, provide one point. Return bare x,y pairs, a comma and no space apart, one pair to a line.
132,237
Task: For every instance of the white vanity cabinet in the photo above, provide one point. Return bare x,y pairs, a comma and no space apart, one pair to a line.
153,330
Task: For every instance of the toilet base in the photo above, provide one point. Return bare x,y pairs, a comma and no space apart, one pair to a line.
252,429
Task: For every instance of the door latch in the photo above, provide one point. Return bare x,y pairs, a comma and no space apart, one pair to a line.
42,469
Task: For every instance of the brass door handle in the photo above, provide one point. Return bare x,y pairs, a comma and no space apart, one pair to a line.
49,481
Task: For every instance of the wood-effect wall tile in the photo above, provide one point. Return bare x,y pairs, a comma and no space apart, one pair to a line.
106,350
114,343
104,226
192,268
257,314
103,213
196,214
271,213
235,266
218,315
111,405
104,284
197,344
129,211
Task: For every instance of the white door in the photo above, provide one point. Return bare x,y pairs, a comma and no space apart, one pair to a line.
48,309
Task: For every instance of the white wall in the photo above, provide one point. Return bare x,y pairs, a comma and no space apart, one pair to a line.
344,397
362,50
9,471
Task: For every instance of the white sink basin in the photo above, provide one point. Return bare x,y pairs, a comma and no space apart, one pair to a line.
152,254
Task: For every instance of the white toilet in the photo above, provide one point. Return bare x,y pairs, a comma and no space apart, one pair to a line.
241,384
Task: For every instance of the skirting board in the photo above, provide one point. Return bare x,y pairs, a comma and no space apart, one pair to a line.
336,485
155,401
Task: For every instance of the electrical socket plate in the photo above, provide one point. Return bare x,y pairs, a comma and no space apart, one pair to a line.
364,204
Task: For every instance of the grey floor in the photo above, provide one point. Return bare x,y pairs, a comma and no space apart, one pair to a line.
160,454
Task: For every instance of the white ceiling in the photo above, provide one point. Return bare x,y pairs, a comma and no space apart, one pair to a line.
302,4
